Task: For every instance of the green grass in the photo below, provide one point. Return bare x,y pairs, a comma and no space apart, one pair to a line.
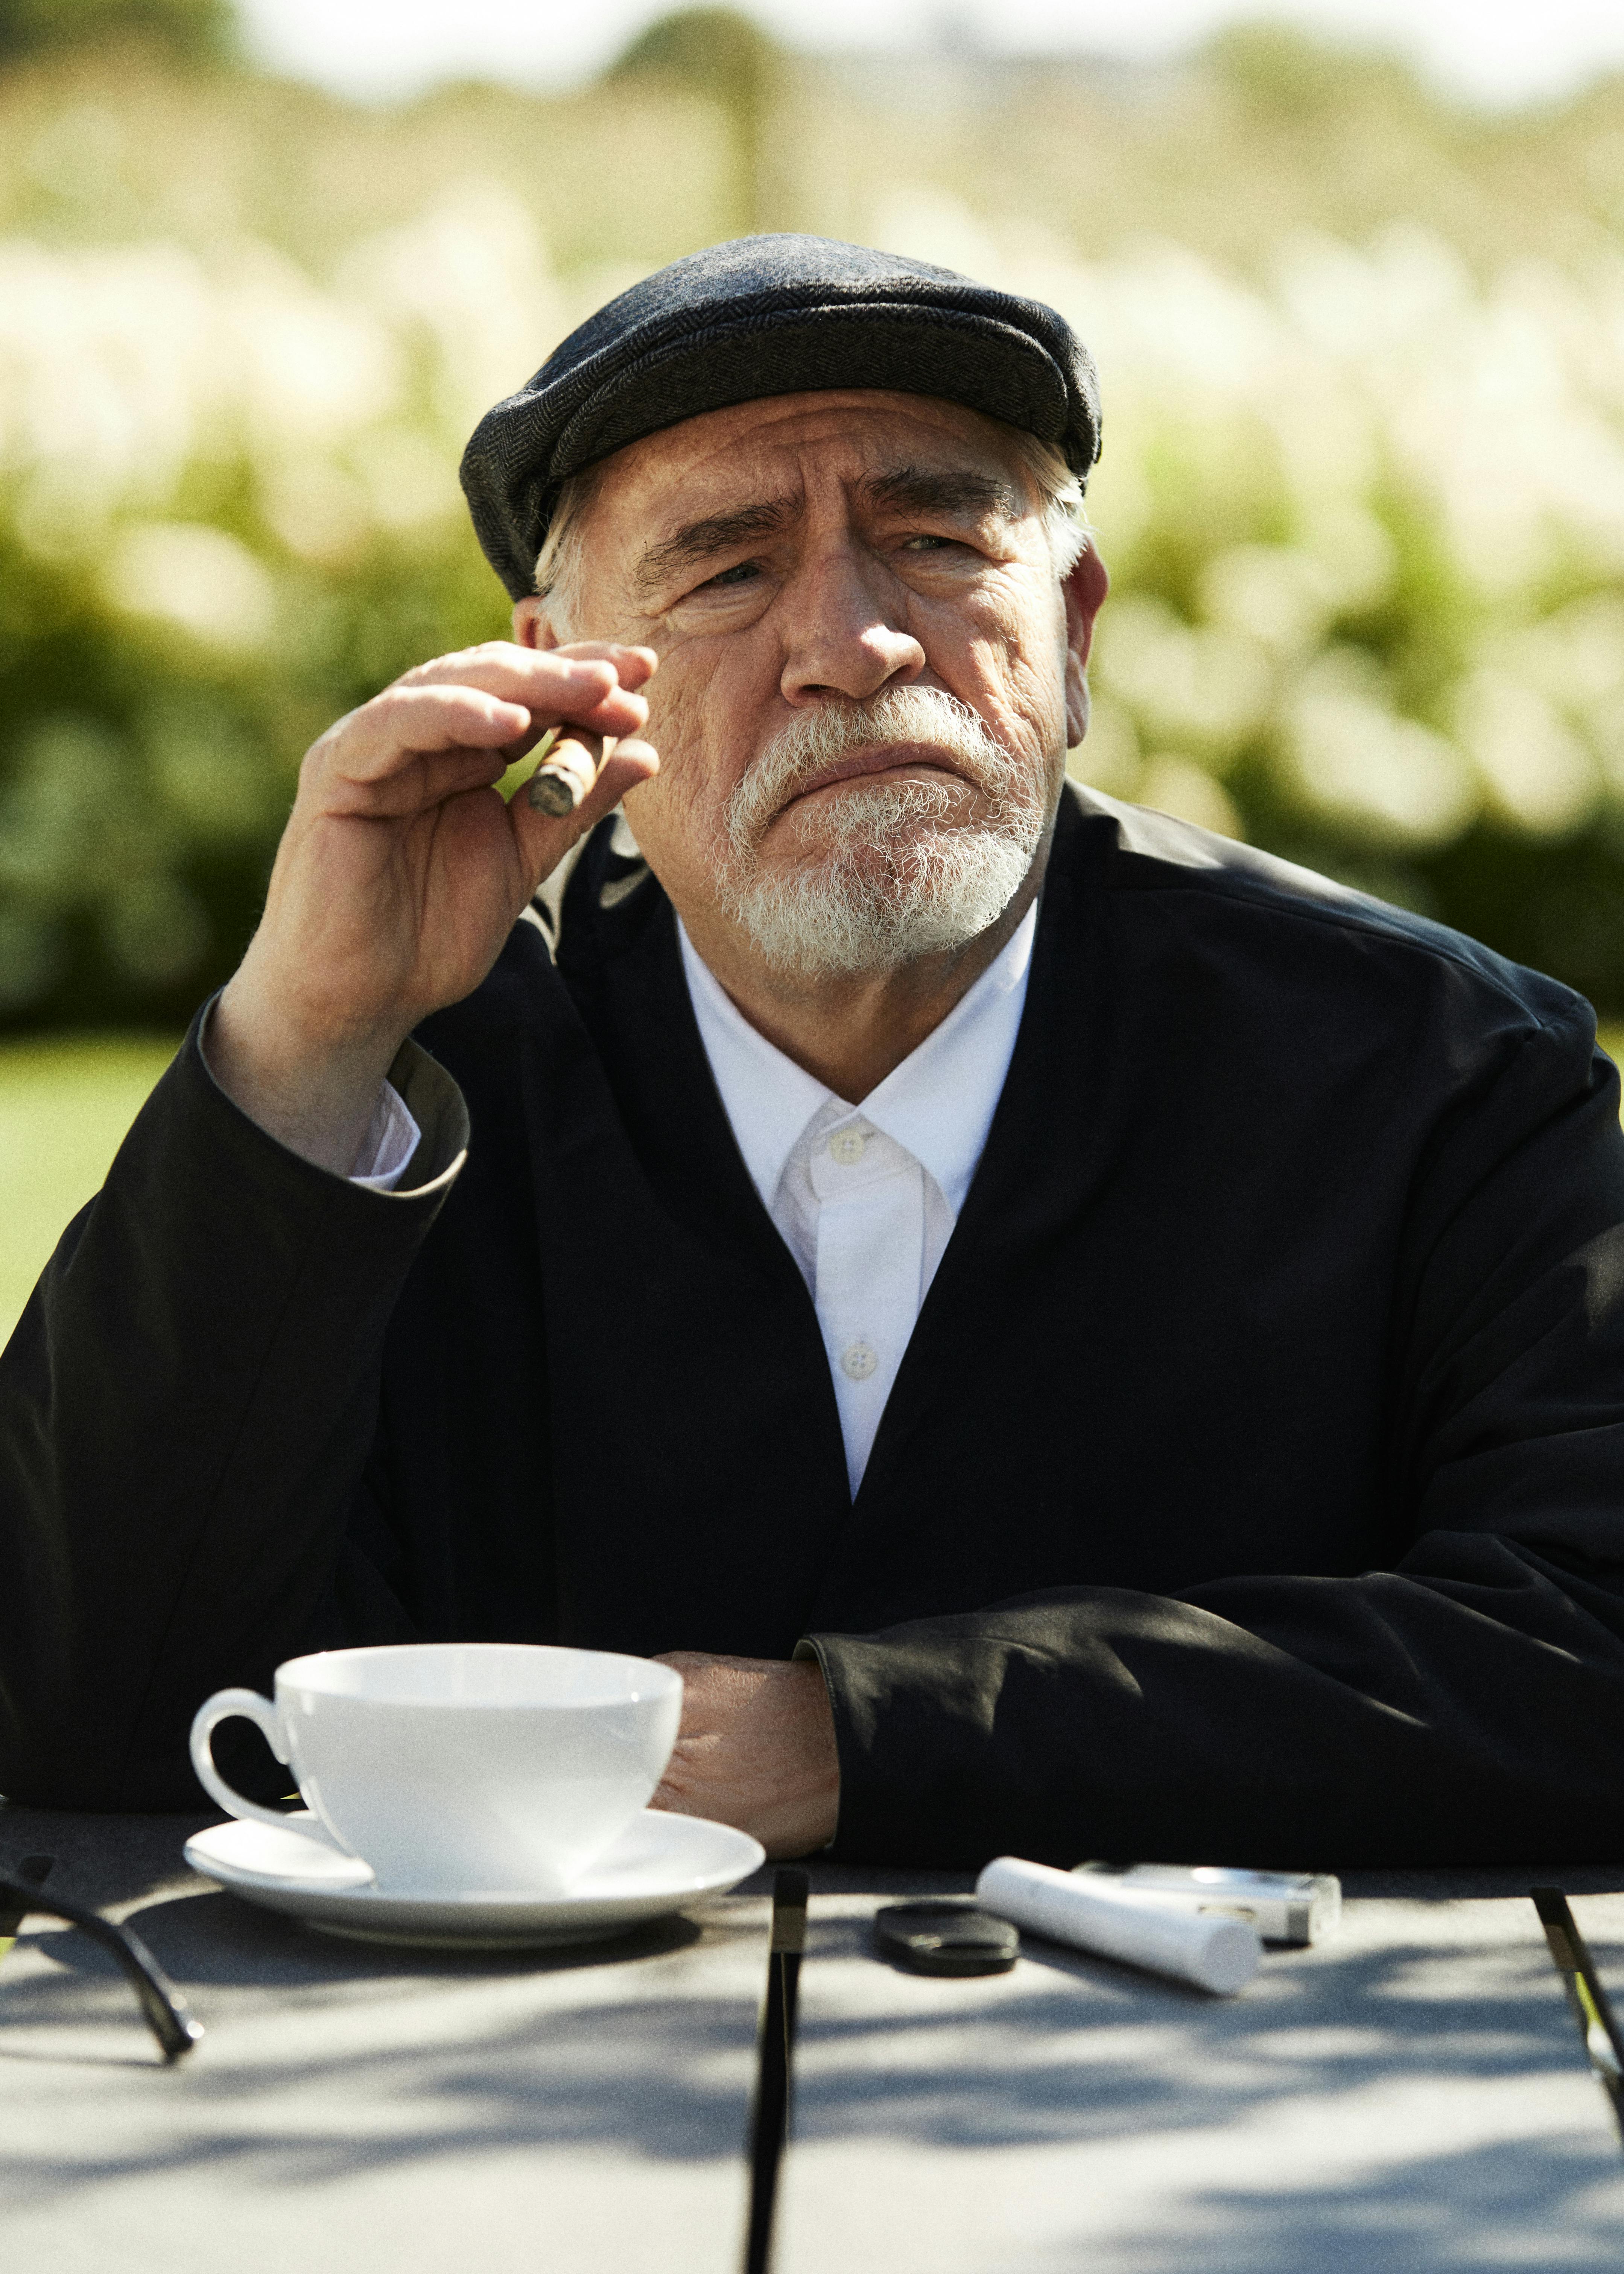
65,1103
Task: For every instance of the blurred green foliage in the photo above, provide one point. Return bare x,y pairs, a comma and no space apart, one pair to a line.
1362,494
203,30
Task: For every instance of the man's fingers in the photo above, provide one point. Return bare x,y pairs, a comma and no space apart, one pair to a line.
633,666
408,722
537,667
560,685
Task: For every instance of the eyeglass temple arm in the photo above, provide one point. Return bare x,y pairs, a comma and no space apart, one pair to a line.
162,2003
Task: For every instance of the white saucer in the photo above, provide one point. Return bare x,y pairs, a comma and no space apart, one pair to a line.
658,1864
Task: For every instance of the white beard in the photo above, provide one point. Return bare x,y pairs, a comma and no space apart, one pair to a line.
896,877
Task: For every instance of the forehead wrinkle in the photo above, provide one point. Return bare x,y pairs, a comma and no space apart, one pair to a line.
713,533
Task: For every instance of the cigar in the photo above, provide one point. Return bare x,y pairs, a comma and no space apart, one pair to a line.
563,779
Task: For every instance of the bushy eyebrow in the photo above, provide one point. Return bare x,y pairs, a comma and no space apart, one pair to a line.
932,489
698,541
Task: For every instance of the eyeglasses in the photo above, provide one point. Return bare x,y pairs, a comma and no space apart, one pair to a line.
162,2006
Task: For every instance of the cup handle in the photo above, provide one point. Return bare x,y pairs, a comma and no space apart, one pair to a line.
221,1707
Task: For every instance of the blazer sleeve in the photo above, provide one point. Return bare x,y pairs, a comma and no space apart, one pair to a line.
186,1409
1464,1704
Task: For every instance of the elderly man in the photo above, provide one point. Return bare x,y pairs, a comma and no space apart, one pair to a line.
1075,1337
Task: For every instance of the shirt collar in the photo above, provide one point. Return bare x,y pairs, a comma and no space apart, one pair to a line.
937,1105
769,1099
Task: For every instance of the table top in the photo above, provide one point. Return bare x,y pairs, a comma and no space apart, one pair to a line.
1410,2095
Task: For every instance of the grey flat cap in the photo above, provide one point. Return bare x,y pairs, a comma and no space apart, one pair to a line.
768,315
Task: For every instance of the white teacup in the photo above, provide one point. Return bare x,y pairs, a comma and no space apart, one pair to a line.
467,1767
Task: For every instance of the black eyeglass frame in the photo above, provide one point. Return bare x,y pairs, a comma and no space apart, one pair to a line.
162,2007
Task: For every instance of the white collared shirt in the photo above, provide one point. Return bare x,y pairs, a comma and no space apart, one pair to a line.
865,1197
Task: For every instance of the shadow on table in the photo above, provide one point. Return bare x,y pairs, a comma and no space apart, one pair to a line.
1463,2212
1132,2052
650,2080
1175,2099
297,2087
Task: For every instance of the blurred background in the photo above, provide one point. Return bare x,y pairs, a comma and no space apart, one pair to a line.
1354,280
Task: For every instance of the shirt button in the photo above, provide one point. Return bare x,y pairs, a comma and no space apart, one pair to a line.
848,1147
857,1361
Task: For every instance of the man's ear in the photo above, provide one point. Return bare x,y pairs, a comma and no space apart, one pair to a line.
532,626
1084,589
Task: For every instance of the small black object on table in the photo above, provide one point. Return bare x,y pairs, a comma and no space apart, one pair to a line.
946,1935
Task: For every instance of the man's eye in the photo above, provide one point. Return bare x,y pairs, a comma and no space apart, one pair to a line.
929,543
744,573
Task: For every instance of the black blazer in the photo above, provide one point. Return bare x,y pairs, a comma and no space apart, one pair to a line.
1253,1487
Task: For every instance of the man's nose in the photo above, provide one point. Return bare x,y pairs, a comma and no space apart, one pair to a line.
843,636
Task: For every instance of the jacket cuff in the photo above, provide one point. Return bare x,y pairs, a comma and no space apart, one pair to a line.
941,1768
438,1107
426,1090
894,1734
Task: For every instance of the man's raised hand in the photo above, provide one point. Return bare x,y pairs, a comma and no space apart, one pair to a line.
401,871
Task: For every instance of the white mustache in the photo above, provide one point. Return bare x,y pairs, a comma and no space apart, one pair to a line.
820,738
